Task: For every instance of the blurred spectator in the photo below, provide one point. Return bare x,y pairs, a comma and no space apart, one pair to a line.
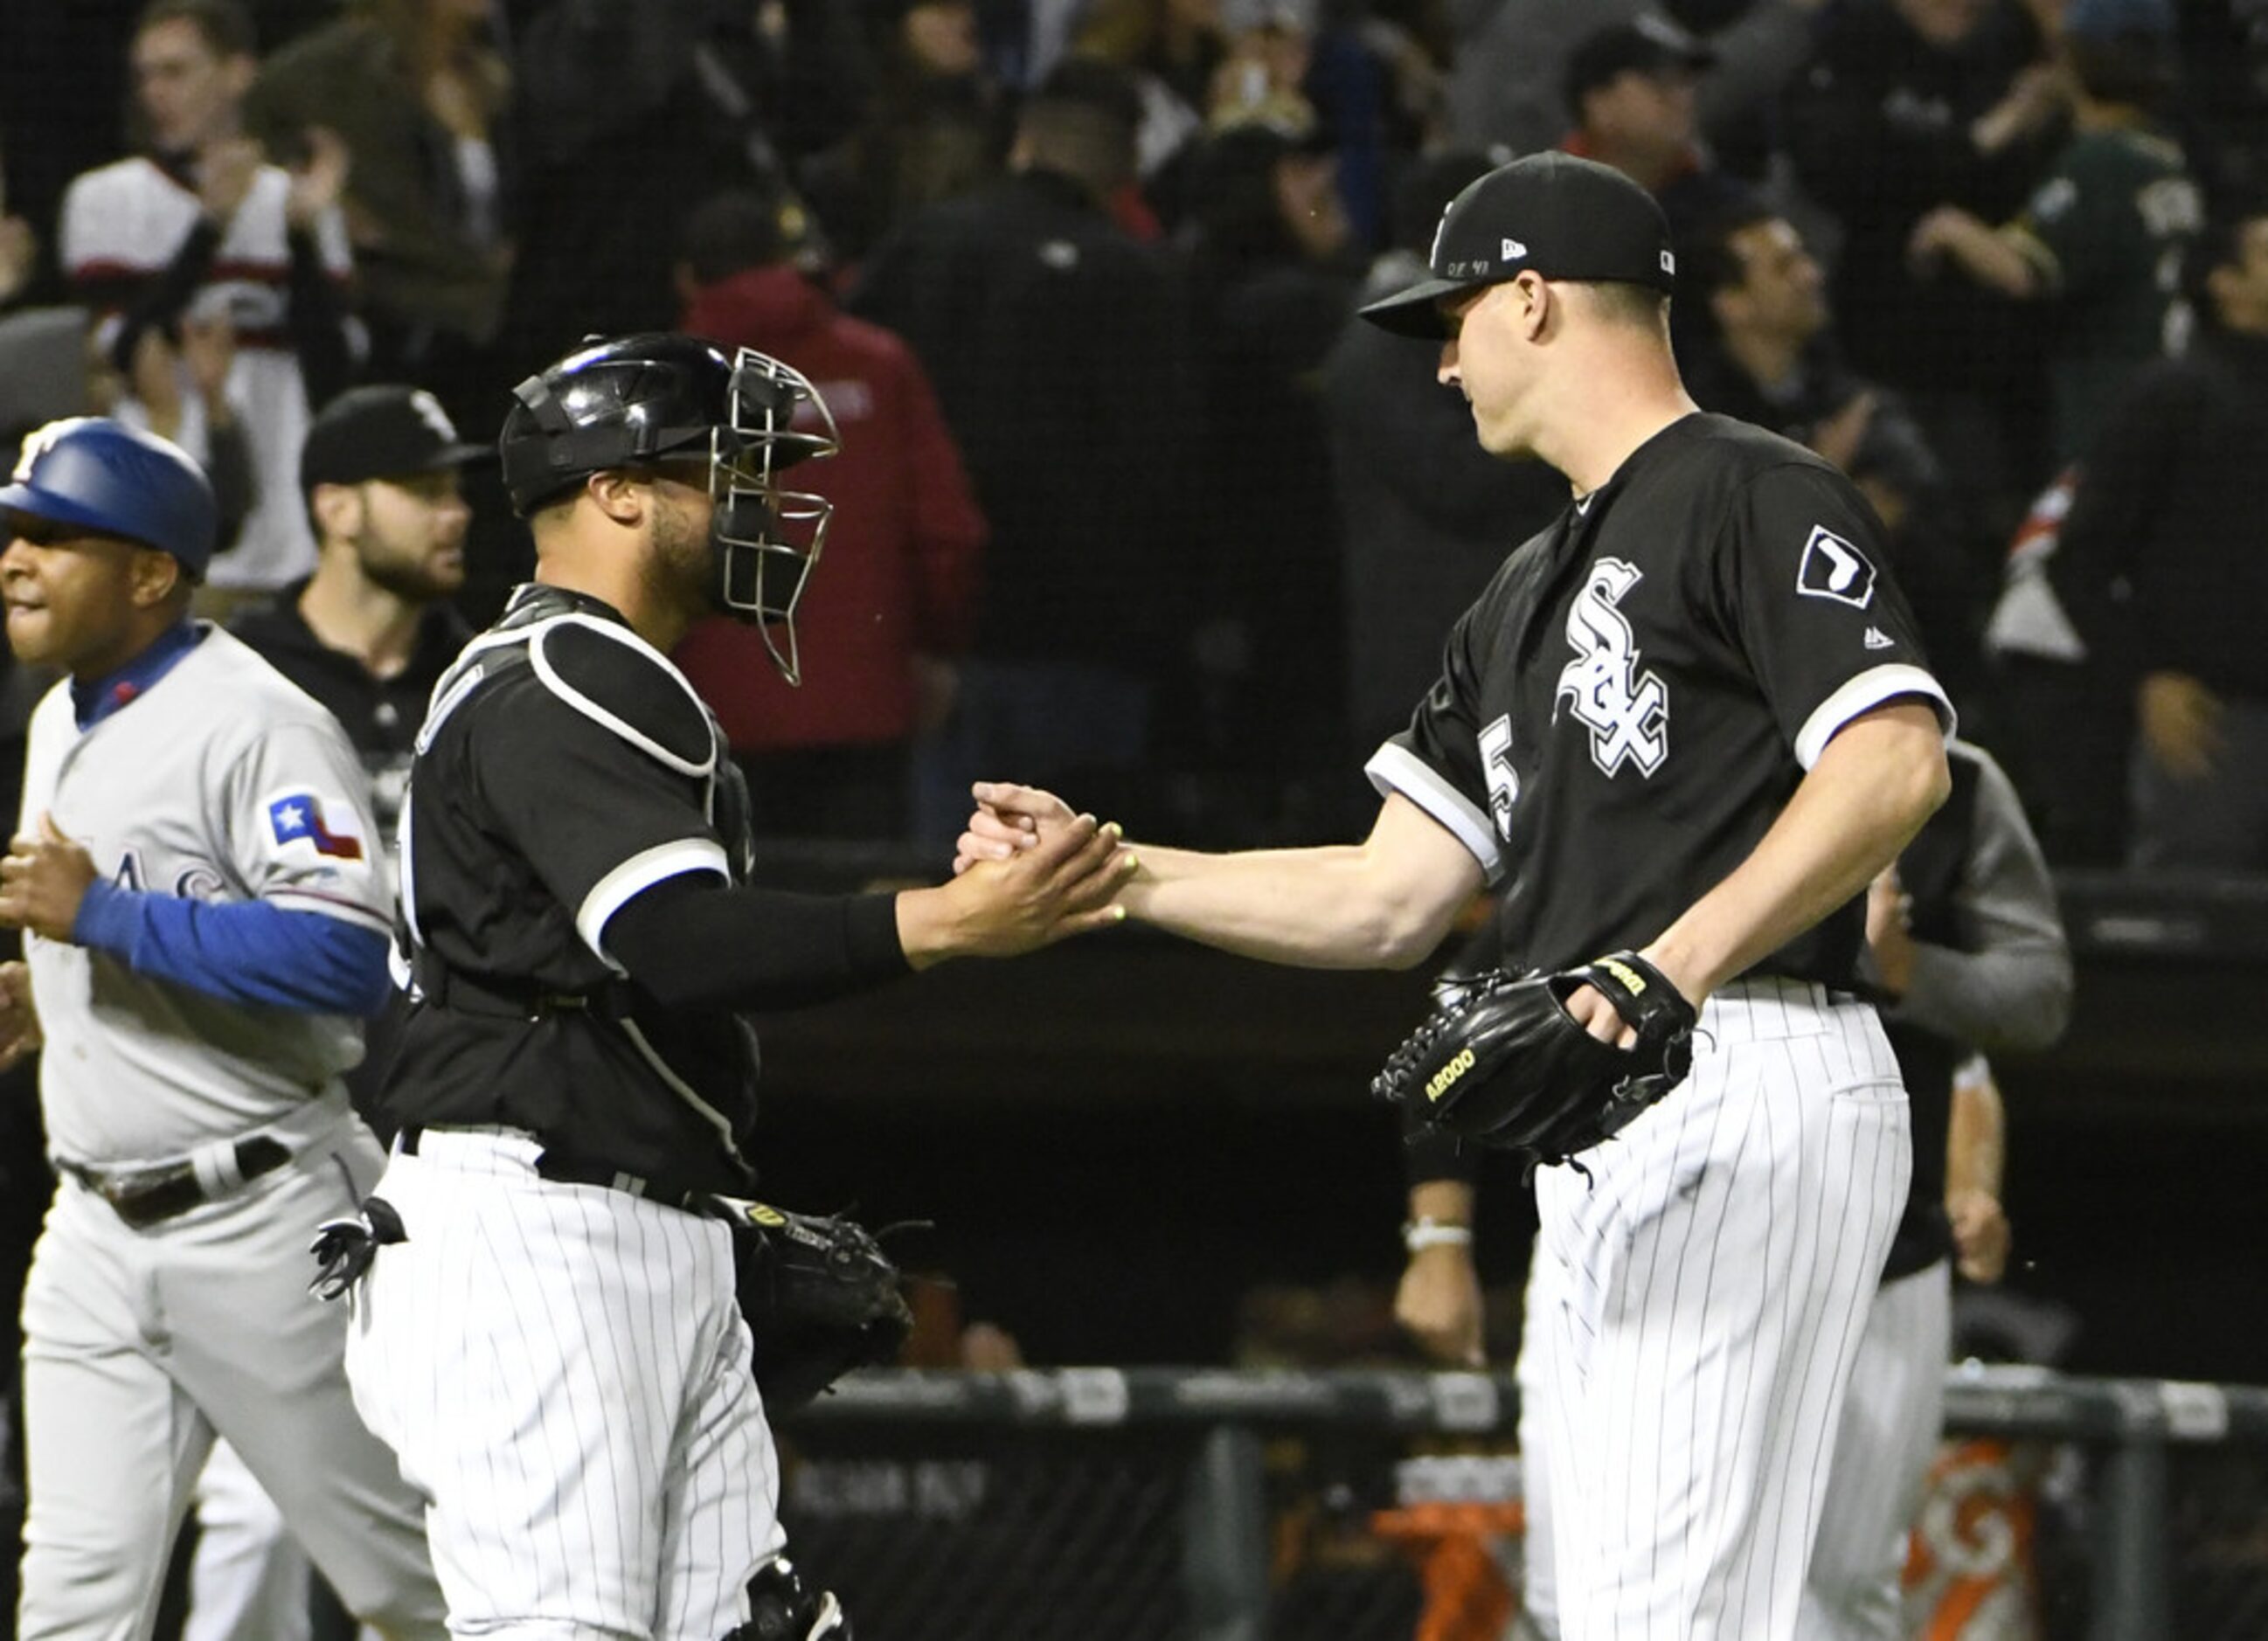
1632,88
370,633
2102,236
628,116
888,611
932,128
1911,105
182,393
2163,579
202,246
1274,278
1173,48
1507,86
1294,65
20,252
1762,348
1059,351
418,94
1424,514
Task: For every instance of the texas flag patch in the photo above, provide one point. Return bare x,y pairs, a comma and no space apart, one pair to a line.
298,818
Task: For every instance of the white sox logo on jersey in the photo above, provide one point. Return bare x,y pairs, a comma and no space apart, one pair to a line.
1626,711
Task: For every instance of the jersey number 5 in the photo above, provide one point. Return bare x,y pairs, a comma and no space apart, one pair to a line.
1503,779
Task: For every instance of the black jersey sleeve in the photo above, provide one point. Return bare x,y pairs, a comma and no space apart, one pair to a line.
600,809
1801,587
1442,763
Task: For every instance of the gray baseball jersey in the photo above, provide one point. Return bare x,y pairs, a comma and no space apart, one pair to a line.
225,782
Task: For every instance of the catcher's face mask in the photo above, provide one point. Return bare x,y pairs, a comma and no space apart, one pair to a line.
767,538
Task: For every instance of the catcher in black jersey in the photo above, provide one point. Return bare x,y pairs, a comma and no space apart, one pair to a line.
1687,724
547,1333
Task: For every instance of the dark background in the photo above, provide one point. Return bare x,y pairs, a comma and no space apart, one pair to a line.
1118,1138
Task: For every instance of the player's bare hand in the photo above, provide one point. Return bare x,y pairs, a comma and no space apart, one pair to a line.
2181,725
1981,1234
227,170
1439,1303
19,1021
1890,910
42,882
1063,885
318,181
1007,819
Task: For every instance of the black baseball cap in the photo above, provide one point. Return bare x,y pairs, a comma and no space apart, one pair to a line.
1645,43
1553,214
382,432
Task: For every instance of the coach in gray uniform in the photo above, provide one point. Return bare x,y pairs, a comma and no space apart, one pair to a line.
197,878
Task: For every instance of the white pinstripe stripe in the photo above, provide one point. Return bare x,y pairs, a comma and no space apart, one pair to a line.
610,1471
1777,1173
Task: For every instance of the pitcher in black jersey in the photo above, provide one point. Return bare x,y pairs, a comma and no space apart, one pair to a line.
548,1336
1689,719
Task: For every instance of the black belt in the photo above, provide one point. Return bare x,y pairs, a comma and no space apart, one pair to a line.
564,1170
144,1197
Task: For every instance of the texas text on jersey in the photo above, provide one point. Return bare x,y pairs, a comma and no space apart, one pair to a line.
538,1030
1639,692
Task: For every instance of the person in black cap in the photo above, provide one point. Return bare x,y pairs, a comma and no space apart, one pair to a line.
1688,722
1633,95
370,632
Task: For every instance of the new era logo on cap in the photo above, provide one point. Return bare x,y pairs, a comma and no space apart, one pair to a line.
1553,214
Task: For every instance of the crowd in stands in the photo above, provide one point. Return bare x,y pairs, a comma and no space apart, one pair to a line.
1127,502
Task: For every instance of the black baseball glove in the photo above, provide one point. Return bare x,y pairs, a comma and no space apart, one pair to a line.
821,1297
1502,1063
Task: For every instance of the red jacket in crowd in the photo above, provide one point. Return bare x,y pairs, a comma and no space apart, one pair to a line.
897,577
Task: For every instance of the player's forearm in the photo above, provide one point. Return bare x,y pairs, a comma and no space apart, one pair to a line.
1443,1201
1976,1142
1309,908
2012,997
239,950
698,943
1877,781
1387,902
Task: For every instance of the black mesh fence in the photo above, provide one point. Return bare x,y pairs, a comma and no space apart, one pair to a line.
1044,1534
1303,1513
2218,1533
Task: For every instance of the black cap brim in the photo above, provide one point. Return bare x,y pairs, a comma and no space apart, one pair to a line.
1416,310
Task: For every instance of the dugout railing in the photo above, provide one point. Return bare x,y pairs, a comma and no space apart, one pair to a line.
1173,1504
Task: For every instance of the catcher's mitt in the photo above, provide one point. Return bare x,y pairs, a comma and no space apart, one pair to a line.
1501,1063
821,1299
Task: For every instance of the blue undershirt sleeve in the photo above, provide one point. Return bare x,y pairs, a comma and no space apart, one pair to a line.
239,950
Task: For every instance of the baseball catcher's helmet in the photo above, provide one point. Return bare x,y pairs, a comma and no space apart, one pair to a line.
631,401
94,474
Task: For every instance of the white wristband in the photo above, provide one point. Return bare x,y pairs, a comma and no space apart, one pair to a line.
1419,1234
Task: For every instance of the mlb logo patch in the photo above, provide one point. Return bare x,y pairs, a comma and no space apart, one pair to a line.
298,818
1831,568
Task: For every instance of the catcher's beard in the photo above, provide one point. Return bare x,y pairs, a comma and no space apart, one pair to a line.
682,568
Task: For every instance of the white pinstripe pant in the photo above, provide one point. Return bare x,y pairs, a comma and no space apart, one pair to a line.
564,1373
1708,1288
